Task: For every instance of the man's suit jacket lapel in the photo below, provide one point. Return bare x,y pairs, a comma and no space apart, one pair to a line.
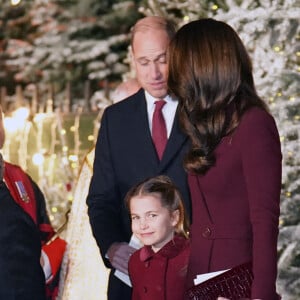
141,134
176,141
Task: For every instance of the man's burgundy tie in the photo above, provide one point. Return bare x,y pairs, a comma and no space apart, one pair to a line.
159,130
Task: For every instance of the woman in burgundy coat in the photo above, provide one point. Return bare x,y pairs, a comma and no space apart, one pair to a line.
234,163
158,270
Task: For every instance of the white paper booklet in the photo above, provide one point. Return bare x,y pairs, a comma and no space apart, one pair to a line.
203,277
135,243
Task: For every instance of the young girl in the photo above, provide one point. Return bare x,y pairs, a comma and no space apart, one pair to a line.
158,270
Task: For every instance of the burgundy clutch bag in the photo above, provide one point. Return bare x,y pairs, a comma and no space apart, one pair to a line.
233,284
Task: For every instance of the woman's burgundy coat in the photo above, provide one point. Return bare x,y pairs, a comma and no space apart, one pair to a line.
236,205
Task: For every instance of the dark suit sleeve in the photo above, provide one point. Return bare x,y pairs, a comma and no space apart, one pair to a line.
261,157
42,213
43,221
21,275
104,200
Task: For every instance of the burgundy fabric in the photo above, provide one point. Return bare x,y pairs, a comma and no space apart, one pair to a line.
234,284
25,198
14,174
236,205
160,275
159,129
31,200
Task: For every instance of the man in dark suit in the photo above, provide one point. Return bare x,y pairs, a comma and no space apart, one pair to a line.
125,152
21,274
26,237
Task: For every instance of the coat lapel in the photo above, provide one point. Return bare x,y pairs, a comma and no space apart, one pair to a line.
175,142
141,134
142,139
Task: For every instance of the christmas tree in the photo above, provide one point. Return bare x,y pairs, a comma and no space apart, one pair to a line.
57,54
76,45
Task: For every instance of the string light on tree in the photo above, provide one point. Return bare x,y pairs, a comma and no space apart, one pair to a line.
38,159
15,2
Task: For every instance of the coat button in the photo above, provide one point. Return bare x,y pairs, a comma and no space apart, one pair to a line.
147,264
145,289
206,232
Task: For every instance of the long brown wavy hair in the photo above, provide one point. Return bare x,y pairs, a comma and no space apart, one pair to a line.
210,72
